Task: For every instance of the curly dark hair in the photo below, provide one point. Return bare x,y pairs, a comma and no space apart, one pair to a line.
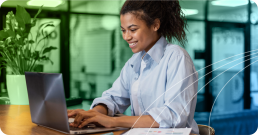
172,19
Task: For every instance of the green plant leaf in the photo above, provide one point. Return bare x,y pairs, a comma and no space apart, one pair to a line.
10,33
48,49
25,35
40,9
31,42
44,25
22,16
3,35
19,32
34,20
47,25
5,42
28,26
11,21
50,24
35,55
41,25
3,59
27,52
45,58
51,62
20,41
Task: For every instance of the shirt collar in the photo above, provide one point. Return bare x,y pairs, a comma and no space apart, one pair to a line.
156,53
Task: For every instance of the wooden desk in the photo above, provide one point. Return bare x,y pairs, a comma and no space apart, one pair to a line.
16,120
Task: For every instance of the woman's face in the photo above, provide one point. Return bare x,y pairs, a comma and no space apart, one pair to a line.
137,34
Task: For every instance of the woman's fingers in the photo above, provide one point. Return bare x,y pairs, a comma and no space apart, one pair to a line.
87,121
83,115
71,113
86,117
77,120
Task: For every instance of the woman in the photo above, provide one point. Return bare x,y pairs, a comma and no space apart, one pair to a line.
158,81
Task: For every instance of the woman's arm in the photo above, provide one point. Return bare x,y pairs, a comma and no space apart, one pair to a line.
145,121
85,117
101,108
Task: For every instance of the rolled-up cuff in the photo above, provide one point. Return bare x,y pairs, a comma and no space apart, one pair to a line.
109,105
161,116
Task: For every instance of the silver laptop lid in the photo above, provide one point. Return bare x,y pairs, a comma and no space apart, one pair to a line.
47,100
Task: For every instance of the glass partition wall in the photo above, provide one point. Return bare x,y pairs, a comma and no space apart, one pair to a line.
254,66
195,13
94,53
228,49
97,49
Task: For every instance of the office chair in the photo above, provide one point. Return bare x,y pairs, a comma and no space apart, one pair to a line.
204,130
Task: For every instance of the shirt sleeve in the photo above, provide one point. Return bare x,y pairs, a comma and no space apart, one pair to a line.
180,99
116,98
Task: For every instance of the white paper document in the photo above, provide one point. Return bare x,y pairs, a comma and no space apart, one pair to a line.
159,131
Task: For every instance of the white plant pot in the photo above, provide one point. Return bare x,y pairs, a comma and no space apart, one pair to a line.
17,89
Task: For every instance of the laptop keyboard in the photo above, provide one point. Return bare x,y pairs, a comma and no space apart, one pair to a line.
89,126
74,128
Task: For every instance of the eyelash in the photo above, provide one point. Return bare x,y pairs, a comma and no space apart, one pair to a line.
131,30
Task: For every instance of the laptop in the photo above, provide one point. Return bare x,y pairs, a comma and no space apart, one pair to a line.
48,104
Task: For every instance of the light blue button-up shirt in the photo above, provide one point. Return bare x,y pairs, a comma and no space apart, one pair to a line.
166,90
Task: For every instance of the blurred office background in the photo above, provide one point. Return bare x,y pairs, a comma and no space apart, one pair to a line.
91,53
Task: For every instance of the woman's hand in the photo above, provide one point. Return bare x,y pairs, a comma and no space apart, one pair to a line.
85,117
73,113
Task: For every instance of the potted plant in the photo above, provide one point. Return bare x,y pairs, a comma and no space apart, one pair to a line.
20,51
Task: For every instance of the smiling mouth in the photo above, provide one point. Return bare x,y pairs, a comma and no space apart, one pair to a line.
133,44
